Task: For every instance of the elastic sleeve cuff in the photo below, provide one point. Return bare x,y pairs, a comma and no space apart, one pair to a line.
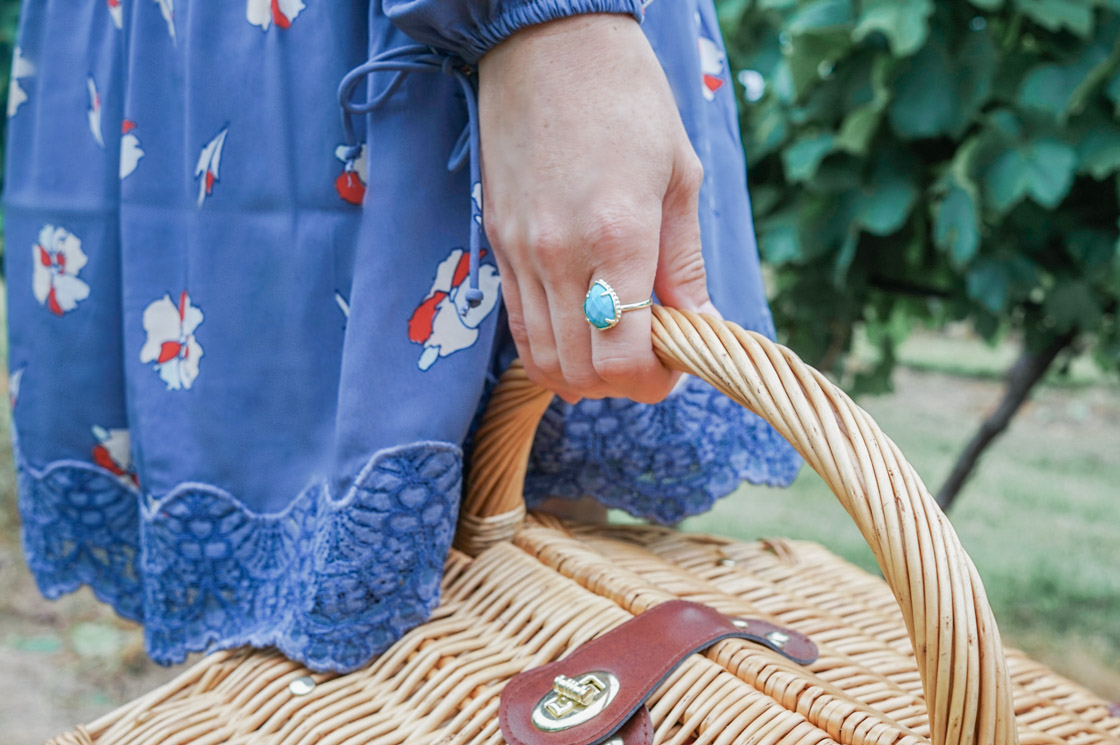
471,29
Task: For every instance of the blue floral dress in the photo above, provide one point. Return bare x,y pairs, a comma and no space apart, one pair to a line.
249,336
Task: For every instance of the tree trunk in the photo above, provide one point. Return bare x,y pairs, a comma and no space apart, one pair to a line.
1021,378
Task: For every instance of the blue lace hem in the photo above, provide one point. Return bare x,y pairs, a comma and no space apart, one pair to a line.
333,582
662,463
329,582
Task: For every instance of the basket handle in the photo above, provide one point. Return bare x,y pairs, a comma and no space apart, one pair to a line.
951,626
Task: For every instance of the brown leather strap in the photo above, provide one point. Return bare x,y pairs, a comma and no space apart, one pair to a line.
640,654
638,729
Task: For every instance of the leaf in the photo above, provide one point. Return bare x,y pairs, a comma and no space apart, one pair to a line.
987,283
1054,15
858,129
837,174
1106,48
807,55
764,199
988,4
905,23
977,62
1112,90
1061,89
844,259
1073,305
731,11
924,104
1095,252
957,226
1097,140
861,124
1042,169
770,130
884,210
820,16
1050,88
1006,123
938,93
779,239
957,216
884,205
802,159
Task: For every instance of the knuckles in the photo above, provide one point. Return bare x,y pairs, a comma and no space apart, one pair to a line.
639,379
549,366
537,377
691,273
691,176
551,246
586,383
519,332
619,372
619,227
554,242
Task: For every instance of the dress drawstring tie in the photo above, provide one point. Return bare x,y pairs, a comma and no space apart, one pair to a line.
419,58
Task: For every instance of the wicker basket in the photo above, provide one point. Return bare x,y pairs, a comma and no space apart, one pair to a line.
536,589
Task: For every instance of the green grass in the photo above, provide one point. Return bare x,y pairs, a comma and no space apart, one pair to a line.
1041,518
956,351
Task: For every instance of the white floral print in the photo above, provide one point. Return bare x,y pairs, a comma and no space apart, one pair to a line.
116,12
95,113
209,161
21,68
265,13
57,260
131,151
167,10
14,381
171,346
351,183
113,452
443,322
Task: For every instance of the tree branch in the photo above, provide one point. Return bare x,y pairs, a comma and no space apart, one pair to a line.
1021,378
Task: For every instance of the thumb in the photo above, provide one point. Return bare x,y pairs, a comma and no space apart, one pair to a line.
682,281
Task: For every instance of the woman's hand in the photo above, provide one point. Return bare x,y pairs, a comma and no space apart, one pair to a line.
588,174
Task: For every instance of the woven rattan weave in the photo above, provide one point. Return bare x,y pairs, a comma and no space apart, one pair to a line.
535,589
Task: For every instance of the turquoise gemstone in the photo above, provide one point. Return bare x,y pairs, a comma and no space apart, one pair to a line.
599,306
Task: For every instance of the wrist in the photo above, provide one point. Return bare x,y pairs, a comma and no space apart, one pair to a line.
578,39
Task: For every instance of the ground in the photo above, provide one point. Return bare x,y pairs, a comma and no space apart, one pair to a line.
1041,520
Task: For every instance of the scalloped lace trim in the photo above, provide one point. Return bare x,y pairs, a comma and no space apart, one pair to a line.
331,583
662,463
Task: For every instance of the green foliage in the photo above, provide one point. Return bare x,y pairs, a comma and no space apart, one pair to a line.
9,21
923,161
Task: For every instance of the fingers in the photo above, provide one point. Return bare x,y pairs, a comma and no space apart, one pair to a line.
573,346
537,320
545,295
624,254
682,281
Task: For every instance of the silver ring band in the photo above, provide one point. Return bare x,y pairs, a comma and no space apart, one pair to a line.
602,308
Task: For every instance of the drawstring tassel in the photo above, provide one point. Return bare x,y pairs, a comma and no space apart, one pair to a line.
417,58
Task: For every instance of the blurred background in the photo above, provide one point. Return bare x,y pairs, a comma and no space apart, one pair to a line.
936,186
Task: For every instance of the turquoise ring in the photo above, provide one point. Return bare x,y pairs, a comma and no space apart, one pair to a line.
602,308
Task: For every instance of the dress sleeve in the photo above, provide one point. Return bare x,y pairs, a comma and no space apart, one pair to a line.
470,28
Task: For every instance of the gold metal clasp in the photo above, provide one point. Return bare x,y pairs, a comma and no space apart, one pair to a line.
574,701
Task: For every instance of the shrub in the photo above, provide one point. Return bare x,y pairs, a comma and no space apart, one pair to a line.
928,161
